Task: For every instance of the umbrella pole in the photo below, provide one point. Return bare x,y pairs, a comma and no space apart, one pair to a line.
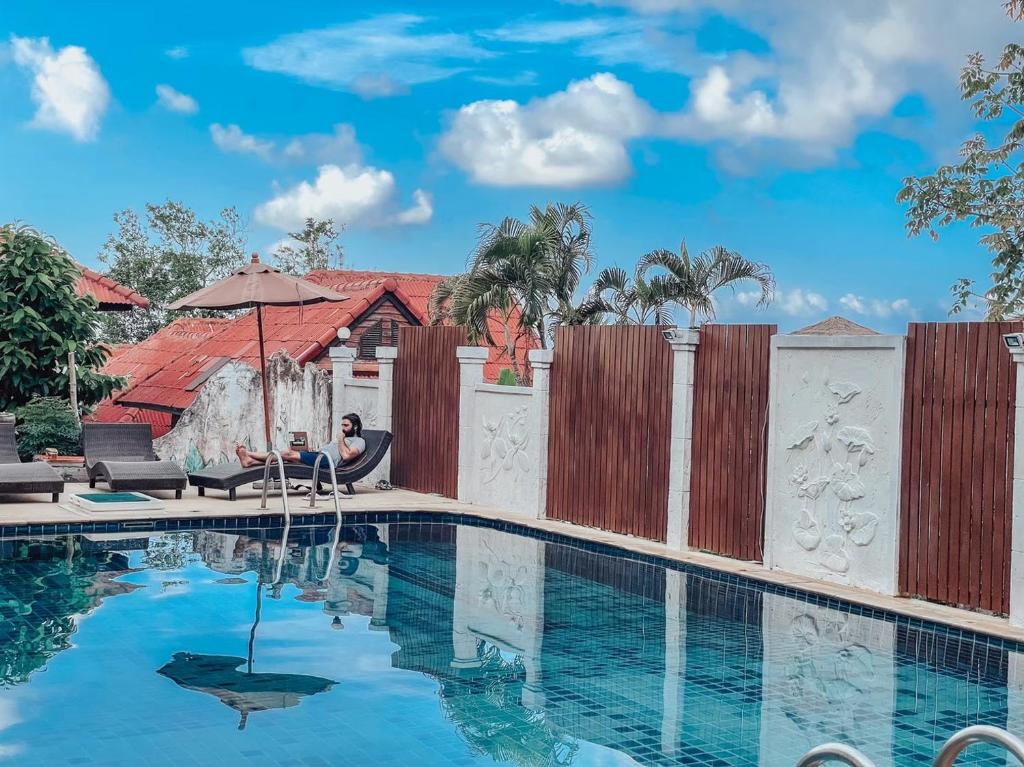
263,378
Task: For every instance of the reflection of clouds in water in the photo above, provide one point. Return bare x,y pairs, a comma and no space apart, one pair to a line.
601,756
8,718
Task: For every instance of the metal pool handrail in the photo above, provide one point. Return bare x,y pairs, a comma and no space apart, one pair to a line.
272,456
337,507
979,733
834,752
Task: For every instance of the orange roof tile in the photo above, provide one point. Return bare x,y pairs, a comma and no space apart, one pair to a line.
111,295
304,332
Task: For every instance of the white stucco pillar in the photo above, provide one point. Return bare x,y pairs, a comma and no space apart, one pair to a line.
684,352
540,362
1017,521
386,356
471,375
342,359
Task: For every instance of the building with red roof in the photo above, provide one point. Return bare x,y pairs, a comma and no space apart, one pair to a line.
167,370
111,296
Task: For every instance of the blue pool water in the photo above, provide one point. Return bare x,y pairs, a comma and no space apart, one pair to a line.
434,644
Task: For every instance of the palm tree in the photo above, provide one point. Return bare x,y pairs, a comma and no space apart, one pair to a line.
635,301
523,273
692,281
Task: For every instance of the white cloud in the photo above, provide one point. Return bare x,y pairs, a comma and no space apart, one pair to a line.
68,88
354,195
822,73
571,138
233,139
375,57
797,302
876,307
339,147
560,31
177,52
175,100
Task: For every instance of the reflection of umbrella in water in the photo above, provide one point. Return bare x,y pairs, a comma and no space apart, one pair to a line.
218,675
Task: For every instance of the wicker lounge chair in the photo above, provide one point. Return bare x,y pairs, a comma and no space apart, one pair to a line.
229,476
18,477
121,455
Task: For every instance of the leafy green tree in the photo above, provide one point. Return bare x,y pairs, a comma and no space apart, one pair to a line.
525,274
42,319
691,282
47,422
171,254
631,301
315,247
986,187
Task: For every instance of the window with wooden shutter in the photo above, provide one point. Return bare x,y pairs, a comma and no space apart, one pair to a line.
372,337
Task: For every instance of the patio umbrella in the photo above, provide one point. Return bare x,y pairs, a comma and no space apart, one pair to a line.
257,285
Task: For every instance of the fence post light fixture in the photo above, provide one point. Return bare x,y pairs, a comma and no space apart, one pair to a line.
1014,342
344,334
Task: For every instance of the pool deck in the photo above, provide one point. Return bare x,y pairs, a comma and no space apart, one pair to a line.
25,510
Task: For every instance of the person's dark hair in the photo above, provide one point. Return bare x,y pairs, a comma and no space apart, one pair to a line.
357,423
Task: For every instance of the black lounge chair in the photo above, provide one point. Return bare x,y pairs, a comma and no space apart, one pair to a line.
121,455
18,477
229,476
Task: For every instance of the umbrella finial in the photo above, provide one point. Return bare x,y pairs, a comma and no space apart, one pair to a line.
255,257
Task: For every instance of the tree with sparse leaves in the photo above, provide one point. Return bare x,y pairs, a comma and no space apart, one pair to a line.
986,187
169,255
315,247
42,320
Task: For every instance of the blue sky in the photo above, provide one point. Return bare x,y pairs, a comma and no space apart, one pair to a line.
781,131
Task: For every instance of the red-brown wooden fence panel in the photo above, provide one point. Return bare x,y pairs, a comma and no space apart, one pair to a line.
610,429
728,467
425,410
957,472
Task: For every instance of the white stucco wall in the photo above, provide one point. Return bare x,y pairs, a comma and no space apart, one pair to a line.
827,676
229,409
504,470
832,507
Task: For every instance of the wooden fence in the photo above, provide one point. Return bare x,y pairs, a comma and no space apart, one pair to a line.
610,422
730,448
957,472
425,410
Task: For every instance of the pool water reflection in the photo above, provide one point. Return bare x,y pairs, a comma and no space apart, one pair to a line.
436,644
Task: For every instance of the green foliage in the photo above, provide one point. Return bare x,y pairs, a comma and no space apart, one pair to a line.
507,378
172,254
692,282
635,301
316,247
42,319
985,188
47,422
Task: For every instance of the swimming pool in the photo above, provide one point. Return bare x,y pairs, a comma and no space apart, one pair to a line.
428,644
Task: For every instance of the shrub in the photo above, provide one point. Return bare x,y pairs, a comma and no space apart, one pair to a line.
47,422
506,378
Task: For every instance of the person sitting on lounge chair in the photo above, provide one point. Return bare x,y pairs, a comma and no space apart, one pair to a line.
349,446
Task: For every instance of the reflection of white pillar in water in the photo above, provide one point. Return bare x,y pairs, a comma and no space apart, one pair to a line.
464,643
381,582
1014,698
675,660
533,694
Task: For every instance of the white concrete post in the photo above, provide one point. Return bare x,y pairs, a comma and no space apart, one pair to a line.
540,361
684,352
342,359
1017,519
386,356
471,374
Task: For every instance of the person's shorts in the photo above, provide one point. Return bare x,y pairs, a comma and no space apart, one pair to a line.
308,457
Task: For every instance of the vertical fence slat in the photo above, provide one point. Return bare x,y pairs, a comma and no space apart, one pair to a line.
729,451
957,469
425,409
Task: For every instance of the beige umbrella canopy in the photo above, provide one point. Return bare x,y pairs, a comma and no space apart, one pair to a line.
257,284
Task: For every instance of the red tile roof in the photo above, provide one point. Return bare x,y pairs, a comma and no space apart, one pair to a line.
304,332
111,295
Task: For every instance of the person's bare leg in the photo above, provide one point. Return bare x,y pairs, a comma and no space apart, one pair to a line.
248,458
